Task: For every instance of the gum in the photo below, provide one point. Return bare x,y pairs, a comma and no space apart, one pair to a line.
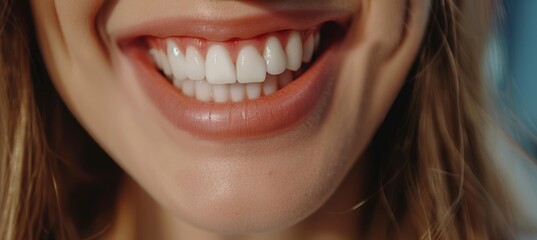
233,46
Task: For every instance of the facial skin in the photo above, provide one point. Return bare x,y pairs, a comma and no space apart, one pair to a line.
228,186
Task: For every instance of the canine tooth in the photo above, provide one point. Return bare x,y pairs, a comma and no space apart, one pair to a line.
274,55
317,40
285,78
156,57
166,68
308,49
253,90
219,68
251,66
270,85
237,92
294,51
177,61
195,64
220,93
189,89
203,91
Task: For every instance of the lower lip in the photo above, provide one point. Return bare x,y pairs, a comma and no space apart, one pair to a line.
272,114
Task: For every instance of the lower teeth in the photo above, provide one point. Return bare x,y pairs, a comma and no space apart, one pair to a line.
236,92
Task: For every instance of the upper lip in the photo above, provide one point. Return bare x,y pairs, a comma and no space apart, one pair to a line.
227,28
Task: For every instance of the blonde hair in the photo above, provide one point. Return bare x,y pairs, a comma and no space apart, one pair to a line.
430,160
432,144
53,177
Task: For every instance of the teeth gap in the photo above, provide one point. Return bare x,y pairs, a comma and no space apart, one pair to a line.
193,80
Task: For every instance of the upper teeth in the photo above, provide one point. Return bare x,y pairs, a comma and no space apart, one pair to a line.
218,66
294,51
177,62
251,67
195,64
274,56
201,76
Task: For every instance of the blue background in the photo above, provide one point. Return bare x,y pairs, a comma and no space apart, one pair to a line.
520,35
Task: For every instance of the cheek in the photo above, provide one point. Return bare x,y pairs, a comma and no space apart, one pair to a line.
374,66
76,60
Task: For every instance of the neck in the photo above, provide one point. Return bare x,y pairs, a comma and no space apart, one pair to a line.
138,216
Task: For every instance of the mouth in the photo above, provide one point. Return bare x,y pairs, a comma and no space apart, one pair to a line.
252,84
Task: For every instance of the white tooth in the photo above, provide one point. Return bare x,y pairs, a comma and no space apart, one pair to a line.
195,64
270,85
294,51
219,68
178,83
189,88
177,62
203,91
253,90
308,49
237,92
285,78
166,68
274,55
220,93
317,40
156,57
251,66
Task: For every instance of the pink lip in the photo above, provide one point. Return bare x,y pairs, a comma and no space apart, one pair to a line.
280,111
226,29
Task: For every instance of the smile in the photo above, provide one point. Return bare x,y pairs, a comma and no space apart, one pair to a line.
256,83
234,71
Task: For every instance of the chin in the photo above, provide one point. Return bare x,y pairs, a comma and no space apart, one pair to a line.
231,195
